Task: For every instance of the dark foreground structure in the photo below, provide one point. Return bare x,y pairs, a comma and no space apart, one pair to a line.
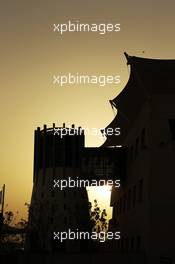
143,207
63,167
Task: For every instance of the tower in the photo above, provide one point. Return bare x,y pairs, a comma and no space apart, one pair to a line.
57,156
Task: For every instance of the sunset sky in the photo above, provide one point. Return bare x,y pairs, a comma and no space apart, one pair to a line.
31,53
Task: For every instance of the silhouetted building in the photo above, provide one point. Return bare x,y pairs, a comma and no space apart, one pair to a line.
143,208
60,155
142,157
56,157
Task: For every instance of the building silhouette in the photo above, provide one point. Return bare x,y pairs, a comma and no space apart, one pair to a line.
52,209
142,157
60,157
143,208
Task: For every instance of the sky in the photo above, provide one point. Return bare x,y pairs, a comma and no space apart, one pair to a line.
31,53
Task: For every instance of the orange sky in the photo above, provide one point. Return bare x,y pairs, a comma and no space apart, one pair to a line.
31,53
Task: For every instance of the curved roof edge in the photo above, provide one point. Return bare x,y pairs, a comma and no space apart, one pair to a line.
130,59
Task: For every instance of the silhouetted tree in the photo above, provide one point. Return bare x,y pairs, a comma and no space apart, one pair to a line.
13,232
98,218
8,218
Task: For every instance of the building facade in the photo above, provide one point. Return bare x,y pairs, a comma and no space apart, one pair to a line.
63,168
56,158
143,208
142,157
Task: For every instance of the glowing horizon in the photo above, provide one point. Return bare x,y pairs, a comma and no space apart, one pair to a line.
31,54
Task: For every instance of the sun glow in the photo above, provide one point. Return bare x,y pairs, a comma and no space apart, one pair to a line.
103,195
103,192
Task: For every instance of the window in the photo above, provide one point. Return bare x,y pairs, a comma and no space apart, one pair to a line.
137,147
129,199
120,205
44,177
132,244
86,162
134,195
119,244
122,244
52,193
143,138
65,220
53,209
114,212
98,161
131,152
172,128
138,244
127,244
140,197
124,203
117,207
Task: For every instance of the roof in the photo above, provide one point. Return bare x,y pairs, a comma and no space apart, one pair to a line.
121,122
156,75
147,77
